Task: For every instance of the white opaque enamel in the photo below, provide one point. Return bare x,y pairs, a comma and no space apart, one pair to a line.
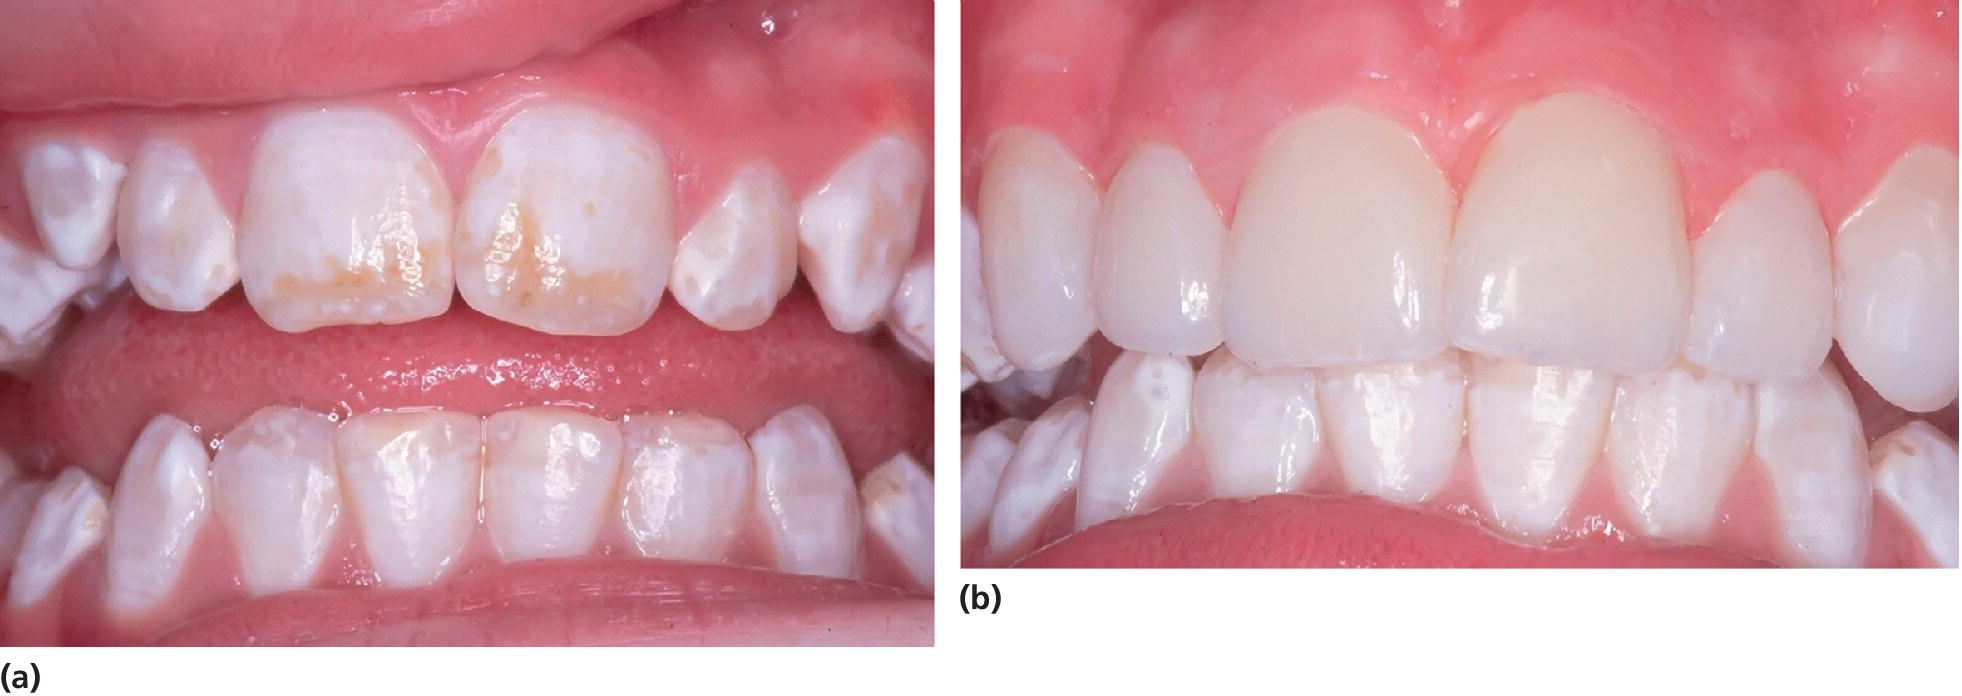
1914,471
805,496
1040,475
1763,293
979,354
898,501
741,256
33,292
911,318
1534,432
1808,440
69,520
1258,427
1143,418
172,233
982,462
856,232
277,490
549,476
412,480
17,499
1396,429
1038,215
1674,440
1156,265
687,487
1895,257
162,500
71,192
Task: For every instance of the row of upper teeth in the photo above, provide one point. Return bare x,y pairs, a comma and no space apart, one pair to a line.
542,482
566,227
1672,441
1347,248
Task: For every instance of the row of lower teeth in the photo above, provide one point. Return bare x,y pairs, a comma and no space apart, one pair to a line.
542,482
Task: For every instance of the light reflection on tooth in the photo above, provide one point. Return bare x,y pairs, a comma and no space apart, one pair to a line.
1143,419
1038,477
277,490
17,501
33,291
1037,214
172,233
911,319
1894,260
1157,256
69,520
1914,470
741,256
412,481
982,357
162,499
1674,440
898,501
687,486
1534,431
805,495
548,481
1258,426
1763,291
982,463
71,192
1396,429
856,232
1808,440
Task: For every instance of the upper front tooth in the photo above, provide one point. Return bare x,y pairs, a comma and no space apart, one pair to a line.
741,256
548,480
346,221
1157,256
911,320
567,227
1037,211
1042,472
277,489
1674,440
1809,441
1258,427
1143,418
1343,220
982,462
174,235
687,486
805,494
1895,260
412,482
1763,299
898,502
856,231
1534,432
163,497
1914,470
1396,429
978,349
69,520
71,191
1570,247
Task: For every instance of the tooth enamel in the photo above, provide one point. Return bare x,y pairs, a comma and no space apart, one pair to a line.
1037,213
1914,470
741,256
1396,429
1763,292
898,502
69,520
1674,440
911,319
277,490
346,221
412,482
1039,476
1157,256
567,226
162,499
1143,418
33,291
687,486
986,455
1895,263
1570,247
856,232
1028,392
1809,441
71,191
17,499
978,349
548,480
1534,431
805,496
1258,426
173,234
1344,221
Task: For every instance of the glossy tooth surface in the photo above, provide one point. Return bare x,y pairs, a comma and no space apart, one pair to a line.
1398,428
1763,293
1674,440
1159,238
1142,420
856,232
567,228
17,499
548,481
70,519
162,500
71,192
1569,247
805,495
1914,470
1343,220
1038,216
276,489
1534,432
982,462
741,256
1808,440
1026,393
1040,474
33,291
978,350
687,486
1895,263
346,221
911,318
173,235
898,502
1259,427
412,481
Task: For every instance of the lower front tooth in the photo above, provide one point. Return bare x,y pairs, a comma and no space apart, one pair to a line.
805,495
982,462
1042,472
412,482
1398,428
71,192
1534,430
173,234
1809,441
1914,470
687,486
162,499
741,256
856,232
17,501
70,519
548,479
898,501
1143,418
1259,427
1674,440
276,488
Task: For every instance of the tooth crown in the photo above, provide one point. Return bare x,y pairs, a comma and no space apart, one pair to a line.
70,519
668,454
1142,420
1895,262
71,191
856,231
412,480
741,256
1157,256
276,485
1037,213
1762,307
805,495
162,501
548,477
177,240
